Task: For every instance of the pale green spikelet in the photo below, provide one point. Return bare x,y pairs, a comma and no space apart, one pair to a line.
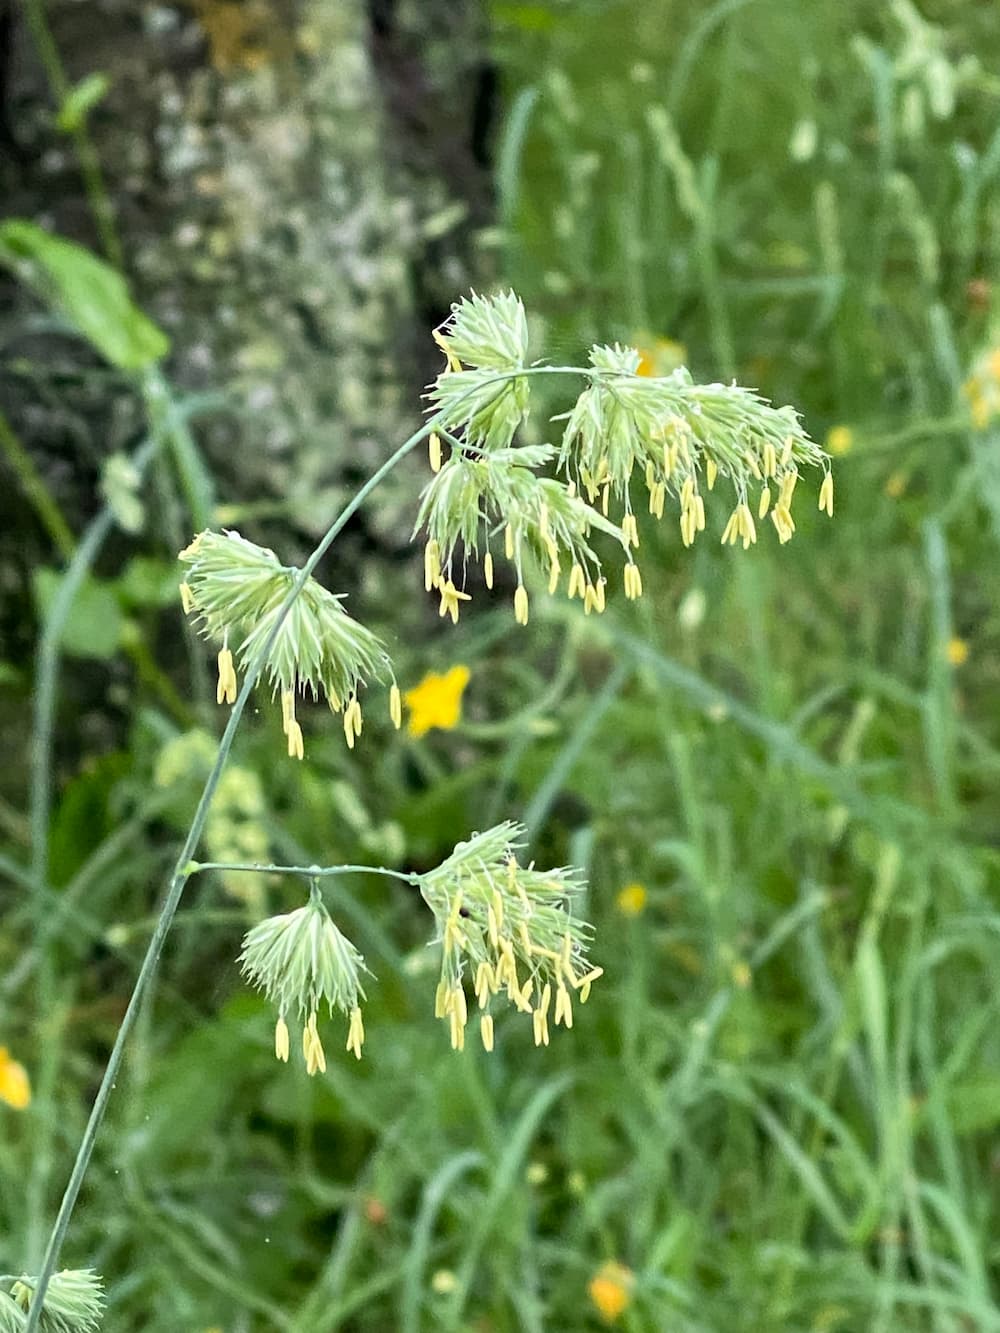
73,1302
509,930
301,961
681,437
483,336
476,502
236,590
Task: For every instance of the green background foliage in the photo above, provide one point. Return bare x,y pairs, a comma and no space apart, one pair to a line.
780,1107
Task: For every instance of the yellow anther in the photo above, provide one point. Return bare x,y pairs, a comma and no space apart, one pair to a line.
770,460
432,564
187,598
826,494
554,572
688,526
451,598
281,1046
434,449
577,582
564,1007
630,530
745,523
296,748
486,1031
711,472
356,1032
287,709
765,502
457,1032
488,569
508,542
396,706
521,605
226,689
633,583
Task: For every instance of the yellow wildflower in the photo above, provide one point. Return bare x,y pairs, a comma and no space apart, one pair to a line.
437,701
982,389
840,440
631,900
659,356
957,652
15,1089
611,1290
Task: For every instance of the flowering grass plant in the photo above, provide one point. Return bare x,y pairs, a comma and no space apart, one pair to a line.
505,931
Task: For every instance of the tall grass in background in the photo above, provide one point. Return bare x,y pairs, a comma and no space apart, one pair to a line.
781,774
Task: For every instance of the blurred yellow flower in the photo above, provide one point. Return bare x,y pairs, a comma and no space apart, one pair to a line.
15,1089
957,652
896,484
437,701
982,388
659,356
631,900
741,974
840,440
610,1290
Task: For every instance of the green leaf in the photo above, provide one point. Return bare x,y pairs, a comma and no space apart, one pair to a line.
974,1104
80,100
146,581
91,294
94,625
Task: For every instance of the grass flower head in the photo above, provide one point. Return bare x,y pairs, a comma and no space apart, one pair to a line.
301,961
509,930
74,1301
236,589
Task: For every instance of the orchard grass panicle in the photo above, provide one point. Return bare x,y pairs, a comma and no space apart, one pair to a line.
510,931
73,1303
681,437
236,588
301,961
678,436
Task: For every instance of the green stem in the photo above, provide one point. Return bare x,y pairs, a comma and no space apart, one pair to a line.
48,669
90,166
179,880
35,489
309,872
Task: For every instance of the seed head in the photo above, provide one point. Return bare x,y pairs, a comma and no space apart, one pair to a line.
509,930
73,1303
236,590
300,960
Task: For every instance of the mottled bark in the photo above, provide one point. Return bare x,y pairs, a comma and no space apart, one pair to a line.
287,207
